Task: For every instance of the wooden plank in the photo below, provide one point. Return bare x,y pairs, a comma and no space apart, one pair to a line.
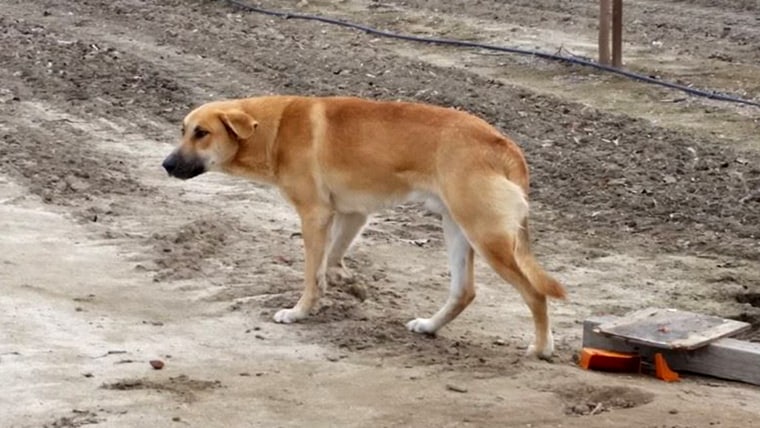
605,15
726,358
617,33
671,328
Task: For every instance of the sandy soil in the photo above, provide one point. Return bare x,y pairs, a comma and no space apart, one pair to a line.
642,197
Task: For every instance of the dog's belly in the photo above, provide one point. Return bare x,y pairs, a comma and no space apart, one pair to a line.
368,203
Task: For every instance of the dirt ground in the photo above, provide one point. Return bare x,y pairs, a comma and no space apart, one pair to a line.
641,197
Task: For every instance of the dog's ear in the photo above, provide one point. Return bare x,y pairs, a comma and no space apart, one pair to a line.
239,123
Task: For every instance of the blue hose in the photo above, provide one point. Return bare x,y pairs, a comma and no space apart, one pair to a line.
461,43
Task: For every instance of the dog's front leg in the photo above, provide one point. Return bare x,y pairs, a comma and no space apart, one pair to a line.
315,224
345,227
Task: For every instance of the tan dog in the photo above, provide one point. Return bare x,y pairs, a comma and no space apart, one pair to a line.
338,160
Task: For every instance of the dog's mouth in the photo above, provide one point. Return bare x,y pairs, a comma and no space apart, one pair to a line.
183,167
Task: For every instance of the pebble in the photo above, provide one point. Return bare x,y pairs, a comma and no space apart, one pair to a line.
456,388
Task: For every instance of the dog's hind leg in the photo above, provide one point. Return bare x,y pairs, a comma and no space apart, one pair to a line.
462,291
315,223
493,212
344,229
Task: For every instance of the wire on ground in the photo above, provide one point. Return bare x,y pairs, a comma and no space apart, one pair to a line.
461,43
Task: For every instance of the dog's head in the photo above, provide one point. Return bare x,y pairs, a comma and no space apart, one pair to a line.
211,135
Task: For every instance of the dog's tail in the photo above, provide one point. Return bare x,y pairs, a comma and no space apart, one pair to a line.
517,174
538,278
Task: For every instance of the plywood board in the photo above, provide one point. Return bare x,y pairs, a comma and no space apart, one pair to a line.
726,358
671,328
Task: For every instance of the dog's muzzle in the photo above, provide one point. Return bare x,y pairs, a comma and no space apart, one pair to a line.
183,167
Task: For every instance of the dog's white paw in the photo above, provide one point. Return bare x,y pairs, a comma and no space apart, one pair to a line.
421,325
543,354
288,316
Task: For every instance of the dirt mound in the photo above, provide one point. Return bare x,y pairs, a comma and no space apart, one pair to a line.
376,327
582,399
188,250
388,338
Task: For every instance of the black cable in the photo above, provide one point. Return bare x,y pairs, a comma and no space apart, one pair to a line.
461,43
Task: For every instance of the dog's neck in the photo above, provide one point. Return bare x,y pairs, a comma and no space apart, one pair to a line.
256,155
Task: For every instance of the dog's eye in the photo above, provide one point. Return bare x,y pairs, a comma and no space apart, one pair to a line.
199,133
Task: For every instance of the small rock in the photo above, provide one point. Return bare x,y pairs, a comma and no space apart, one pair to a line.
176,419
358,290
673,411
157,364
283,260
456,388
76,183
580,409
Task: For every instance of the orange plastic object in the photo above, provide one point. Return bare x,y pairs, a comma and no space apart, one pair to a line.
662,371
599,359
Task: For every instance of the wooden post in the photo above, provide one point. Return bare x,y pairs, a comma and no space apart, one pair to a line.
617,33
605,13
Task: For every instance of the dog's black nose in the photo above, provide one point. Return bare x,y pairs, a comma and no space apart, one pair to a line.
170,164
